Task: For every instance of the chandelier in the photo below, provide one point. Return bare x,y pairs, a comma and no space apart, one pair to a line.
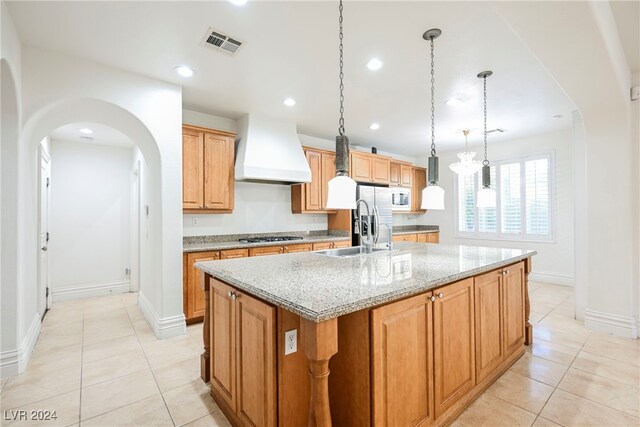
466,165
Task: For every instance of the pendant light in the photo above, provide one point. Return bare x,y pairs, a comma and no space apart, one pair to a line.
487,195
466,165
342,189
432,195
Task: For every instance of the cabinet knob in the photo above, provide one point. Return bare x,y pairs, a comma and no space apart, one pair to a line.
234,296
229,294
432,298
439,294
286,248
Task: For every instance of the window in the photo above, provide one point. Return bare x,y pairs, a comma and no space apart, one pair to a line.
523,204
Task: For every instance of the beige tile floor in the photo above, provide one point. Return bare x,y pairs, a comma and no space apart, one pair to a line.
98,363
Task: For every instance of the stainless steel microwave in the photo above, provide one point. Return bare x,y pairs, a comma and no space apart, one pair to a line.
400,199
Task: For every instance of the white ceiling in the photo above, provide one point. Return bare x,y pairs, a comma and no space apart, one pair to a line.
291,51
627,17
103,135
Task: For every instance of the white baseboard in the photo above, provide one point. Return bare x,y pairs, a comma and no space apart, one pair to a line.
90,290
554,279
14,362
166,327
620,326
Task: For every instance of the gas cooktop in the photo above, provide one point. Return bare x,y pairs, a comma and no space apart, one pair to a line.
269,239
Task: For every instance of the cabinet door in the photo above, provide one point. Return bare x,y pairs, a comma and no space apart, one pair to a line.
192,170
223,342
303,247
218,172
234,253
395,178
433,237
514,297
454,343
488,316
402,368
405,175
266,250
256,369
380,170
342,244
417,185
195,292
328,173
361,167
313,190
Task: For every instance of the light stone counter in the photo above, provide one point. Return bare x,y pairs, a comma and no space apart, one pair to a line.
318,287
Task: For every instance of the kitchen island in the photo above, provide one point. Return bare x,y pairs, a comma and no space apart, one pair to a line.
412,336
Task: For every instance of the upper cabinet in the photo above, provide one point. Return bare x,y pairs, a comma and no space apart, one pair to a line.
370,168
207,170
400,175
418,183
312,197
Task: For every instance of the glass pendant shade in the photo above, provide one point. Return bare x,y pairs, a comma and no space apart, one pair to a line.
486,198
342,193
466,165
433,197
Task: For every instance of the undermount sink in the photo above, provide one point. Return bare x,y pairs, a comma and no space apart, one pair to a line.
349,252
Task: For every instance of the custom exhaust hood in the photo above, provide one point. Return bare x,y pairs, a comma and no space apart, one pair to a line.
269,151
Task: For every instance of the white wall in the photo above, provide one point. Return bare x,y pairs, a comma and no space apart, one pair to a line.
262,208
554,262
90,219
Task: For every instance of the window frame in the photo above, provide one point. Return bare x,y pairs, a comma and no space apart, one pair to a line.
499,235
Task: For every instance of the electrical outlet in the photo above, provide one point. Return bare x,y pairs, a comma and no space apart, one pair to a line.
290,341
194,221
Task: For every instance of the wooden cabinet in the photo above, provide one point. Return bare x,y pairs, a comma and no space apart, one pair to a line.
370,168
302,247
454,344
433,237
402,365
266,250
418,183
207,170
312,197
193,295
400,174
242,363
500,317
342,244
405,238
234,253
321,246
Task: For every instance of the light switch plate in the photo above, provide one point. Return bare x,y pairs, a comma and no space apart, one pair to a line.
290,341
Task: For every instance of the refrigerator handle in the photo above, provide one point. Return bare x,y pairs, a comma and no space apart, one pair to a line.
376,214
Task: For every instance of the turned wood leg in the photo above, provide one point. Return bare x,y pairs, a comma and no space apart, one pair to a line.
204,357
528,328
319,342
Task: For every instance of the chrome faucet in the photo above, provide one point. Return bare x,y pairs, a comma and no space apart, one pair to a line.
389,242
368,244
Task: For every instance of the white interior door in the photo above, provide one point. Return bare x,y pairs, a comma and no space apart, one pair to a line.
45,190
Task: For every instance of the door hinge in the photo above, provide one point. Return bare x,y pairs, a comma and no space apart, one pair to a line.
48,181
47,236
47,294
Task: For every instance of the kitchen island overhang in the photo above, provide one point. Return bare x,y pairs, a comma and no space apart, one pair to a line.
325,291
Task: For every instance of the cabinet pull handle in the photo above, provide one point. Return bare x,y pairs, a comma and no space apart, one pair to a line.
439,294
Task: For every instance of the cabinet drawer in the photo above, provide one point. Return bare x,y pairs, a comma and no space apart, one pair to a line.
303,247
342,244
322,246
234,253
267,250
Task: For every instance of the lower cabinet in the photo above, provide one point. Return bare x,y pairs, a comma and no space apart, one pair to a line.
432,237
243,359
402,362
193,295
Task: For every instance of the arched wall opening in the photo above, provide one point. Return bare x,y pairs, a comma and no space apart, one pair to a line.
9,140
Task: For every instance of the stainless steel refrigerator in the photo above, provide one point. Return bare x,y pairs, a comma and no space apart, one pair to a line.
379,201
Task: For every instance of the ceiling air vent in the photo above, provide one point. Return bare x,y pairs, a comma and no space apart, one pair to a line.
221,42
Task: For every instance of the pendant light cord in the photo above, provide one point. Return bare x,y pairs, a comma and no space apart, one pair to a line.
433,131
485,162
341,130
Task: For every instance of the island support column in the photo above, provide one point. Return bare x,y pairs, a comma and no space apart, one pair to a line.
204,357
528,328
319,342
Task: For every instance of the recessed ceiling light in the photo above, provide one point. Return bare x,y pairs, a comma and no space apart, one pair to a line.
289,102
453,101
374,126
184,71
86,131
238,2
374,64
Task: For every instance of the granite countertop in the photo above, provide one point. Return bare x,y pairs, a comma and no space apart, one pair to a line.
213,243
318,287
413,229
